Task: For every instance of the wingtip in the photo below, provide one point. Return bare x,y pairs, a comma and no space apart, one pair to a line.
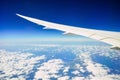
17,14
20,15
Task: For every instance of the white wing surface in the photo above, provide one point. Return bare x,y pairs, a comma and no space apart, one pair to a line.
112,38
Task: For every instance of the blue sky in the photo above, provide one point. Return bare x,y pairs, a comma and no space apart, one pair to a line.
94,14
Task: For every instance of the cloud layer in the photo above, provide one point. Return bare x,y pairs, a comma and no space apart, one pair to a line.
20,64
16,65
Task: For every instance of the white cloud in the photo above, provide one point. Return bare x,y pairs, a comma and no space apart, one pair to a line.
16,64
49,69
78,78
63,78
66,69
76,72
99,71
80,68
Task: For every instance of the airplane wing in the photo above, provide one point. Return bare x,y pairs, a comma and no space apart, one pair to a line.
112,38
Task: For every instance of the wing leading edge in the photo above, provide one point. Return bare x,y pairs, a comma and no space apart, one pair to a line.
112,38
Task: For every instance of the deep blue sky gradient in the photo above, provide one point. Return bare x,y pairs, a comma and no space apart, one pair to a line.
94,14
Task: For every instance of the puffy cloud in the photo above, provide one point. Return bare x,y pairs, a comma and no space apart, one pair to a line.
21,64
16,65
78,78
99,71
96,71
80,67
66,69
76,72
49,69
63,78
101,50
